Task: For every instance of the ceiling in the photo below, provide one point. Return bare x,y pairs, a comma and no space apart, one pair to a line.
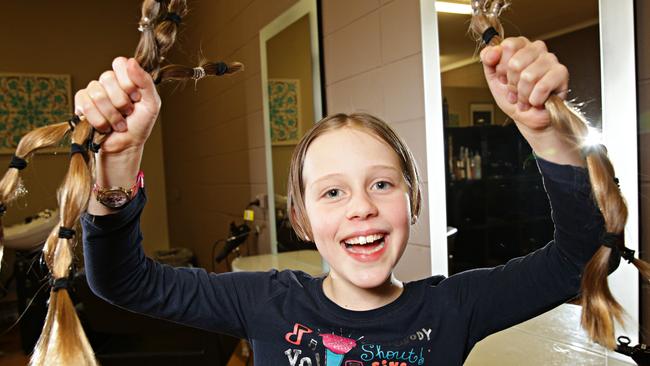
535,19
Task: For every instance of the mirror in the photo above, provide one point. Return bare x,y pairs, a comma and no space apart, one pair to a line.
292,102
495,196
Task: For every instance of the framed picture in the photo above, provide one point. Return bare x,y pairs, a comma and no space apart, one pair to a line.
284,111
481,114
28,101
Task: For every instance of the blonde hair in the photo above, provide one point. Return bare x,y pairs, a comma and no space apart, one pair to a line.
599,308
62,341
362,121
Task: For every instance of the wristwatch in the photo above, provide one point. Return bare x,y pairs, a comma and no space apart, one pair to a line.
118,197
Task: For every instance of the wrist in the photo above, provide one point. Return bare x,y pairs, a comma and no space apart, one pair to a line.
118,169
551,146
114,170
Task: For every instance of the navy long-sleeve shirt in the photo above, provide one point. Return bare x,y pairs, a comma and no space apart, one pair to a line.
289,320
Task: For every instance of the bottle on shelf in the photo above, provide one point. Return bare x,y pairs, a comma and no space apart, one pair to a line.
477,174
468,164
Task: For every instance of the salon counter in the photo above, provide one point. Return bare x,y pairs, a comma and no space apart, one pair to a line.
308,261
553,338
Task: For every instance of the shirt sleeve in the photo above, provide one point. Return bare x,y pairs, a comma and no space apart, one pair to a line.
119,272
497,298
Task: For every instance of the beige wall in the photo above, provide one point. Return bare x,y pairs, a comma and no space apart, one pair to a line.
459,100
579,51
643,77
213,133
288,56
373,63
53,38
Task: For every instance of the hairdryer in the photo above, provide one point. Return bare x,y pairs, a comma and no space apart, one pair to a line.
238,235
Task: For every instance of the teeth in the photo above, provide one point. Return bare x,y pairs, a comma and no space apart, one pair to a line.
358,250
361,240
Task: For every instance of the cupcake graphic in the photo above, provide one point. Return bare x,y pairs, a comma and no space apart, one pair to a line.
336,348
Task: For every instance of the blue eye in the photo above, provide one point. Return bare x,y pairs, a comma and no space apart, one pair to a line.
382,185
333,193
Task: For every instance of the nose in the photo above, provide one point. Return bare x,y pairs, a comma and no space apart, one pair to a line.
361,206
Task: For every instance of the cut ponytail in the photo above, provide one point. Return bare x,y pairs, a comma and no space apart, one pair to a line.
599,307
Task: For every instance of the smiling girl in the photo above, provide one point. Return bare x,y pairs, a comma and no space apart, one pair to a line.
355,192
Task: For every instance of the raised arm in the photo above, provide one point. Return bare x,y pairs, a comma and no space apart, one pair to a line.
521,76
124,101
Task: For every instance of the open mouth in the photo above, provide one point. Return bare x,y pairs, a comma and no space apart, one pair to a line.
367,244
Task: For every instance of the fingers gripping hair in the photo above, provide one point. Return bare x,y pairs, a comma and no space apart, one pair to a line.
600,309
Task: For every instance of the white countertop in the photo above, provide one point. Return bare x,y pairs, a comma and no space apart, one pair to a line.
308,261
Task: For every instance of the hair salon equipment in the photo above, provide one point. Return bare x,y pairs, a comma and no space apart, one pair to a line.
238,235
639,353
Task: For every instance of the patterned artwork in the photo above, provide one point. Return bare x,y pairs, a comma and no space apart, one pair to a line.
284,111
28,101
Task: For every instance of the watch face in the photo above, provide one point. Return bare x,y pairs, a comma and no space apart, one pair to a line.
114,198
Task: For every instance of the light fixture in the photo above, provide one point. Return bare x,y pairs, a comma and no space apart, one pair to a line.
454,8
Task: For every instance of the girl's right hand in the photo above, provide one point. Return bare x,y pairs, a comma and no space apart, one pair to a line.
123,102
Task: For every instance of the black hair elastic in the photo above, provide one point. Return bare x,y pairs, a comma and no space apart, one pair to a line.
66,233
612,241
73,121
627,254
489,34
93,146
3,209
18,163
173,17
60,283
222,68
79,149
615,242
90,143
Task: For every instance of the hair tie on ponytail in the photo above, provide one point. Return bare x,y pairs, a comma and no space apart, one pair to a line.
94,147
145,24
627,254
66,233
90,143
3,209
73,122
489,34
199,73
79,149
18,163
611,240
61,283
173,17
222,68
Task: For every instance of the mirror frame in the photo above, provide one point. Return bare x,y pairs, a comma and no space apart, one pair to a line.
291,15
619,103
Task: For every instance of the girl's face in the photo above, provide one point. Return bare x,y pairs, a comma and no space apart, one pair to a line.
357,202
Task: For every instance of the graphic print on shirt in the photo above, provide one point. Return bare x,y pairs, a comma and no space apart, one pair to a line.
341,350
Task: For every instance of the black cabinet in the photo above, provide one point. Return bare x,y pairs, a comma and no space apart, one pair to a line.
504,214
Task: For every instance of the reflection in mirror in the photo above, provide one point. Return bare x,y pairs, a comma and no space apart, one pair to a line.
495,195
292,103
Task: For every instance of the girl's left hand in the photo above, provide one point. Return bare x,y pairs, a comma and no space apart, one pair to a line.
521,75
